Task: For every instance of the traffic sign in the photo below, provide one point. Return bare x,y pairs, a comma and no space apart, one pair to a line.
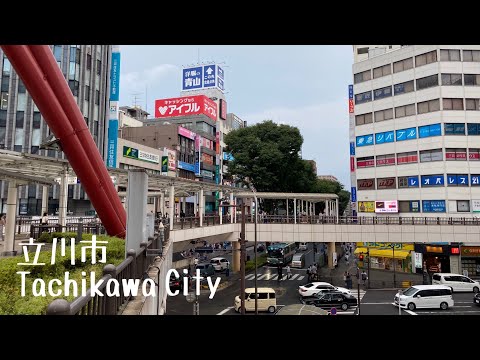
333,311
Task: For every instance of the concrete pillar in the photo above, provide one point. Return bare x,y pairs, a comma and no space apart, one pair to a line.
231,209
294,211
63,199
162,203
201,205
171,205
331,250
44,200
220,211
235,256
137,193
287,210
336,210
195,203
184,200
9,247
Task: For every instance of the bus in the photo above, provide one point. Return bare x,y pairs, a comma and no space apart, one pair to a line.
280,253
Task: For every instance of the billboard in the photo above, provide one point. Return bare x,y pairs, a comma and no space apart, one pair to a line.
186,133
187,105
172,158
366,184
366,206
223,109
132,153
354,194
113,115
386,183
351,107
390,206
203,77
164,164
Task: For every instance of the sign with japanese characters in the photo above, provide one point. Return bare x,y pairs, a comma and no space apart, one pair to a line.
172,158
203,77
386,206
192,78
476,206
187,105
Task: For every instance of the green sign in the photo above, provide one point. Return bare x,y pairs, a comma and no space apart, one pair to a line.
165,164
130,152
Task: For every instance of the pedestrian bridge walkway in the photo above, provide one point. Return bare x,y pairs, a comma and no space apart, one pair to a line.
331,229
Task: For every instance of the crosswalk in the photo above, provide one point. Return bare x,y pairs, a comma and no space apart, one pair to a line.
274,277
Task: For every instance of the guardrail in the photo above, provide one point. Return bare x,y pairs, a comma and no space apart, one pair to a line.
23,224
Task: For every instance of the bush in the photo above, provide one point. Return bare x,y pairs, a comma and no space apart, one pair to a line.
261,260
47,237
11,301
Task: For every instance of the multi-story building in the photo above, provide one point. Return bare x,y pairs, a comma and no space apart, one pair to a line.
415,132
327,177
22,128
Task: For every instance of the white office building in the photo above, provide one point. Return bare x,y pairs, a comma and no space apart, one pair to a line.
415,131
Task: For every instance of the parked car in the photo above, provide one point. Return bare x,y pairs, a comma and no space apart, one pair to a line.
220,263
456,282
334,300
261,248
176,283
313,288
476,298
310,299
266,300
206,269
425,296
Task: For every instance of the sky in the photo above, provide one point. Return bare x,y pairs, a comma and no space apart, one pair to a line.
302,86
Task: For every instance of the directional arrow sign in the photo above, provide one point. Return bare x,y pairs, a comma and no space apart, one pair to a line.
209,71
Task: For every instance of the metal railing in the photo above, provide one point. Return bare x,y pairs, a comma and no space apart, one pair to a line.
36,230
23,224
133,267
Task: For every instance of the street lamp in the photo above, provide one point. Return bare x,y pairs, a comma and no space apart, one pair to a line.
255,245
193,298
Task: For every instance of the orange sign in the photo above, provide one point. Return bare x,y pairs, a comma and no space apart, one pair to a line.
471,251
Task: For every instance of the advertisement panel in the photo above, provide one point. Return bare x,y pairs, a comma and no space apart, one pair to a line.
192,78
132,153
164,164
203,77
366,184
223,109
207,174
390,206
115,77
172,158
187,105
112,143
354,194
352,148
418,260
227,156
366,206
217,139
113,114
351,107
186,133
186,166
386,183
476,206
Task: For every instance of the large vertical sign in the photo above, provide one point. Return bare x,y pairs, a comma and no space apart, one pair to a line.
113,114
203,77
223,109
198,154
353,176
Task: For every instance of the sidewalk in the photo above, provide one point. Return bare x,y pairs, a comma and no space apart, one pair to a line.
18,239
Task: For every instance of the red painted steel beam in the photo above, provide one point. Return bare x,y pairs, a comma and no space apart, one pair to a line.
45,59
37,83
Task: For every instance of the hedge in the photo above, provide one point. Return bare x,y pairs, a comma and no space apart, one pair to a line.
11,301
261,260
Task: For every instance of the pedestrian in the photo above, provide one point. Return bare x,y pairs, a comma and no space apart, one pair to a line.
364,277
3,223
345,278
308,273
349,281
44,222
289,272
227,270
346,259
280,273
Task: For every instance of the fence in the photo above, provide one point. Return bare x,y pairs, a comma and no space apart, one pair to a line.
23,224
133,267
36,230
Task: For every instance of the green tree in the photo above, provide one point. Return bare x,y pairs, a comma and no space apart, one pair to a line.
268,155
333,187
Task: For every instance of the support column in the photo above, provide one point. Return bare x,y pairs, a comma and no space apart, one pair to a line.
287,210
336,210
9,247
137,194
327,208
184,200
220,211
195,205
231,209
201,205
44,200
331,250
235,256
171,205
162,203
294,211
63,199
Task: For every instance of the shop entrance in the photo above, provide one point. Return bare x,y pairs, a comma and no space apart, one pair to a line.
436,263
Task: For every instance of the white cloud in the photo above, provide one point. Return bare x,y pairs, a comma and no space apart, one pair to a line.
136,81
324,128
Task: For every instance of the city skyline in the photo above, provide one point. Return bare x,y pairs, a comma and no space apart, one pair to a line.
315,83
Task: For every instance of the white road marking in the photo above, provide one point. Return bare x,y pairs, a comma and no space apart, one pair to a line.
262,276
301,277
250,277
409,312
441,312
294,276
379,303
225,310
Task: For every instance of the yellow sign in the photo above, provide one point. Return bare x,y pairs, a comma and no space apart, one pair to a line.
366,206
386,245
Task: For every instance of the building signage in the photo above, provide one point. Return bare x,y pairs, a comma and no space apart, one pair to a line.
115,77
186,133
366,206
207,174
113,114
354,194
352,164
390,206
227,156
351,107
366,184
387,245
223,109
476,206
386,183
352,148
433,206
172,158
203,77
136,154
217,174
470,251
164,164
112,143
187,105
186,166
365,140
418,260
384,137
432,180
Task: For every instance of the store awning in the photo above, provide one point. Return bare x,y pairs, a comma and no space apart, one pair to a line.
388,253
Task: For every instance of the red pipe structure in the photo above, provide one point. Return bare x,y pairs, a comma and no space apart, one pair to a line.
55,101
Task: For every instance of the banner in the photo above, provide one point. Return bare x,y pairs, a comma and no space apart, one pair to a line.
187,105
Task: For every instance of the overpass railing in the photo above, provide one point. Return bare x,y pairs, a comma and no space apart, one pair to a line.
23,224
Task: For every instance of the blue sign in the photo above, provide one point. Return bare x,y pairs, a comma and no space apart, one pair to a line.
379,138
411,133
197,168
227,156
221,85
112,143
354,194
352,148
115,77
186,166
475,180
429,130
220,73
462,180
451,180
209,76
406,134
432,180
350,92
365,140
192,78
413,181
433,205
369,139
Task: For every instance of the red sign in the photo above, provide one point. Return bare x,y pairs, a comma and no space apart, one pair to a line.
474,156
386,161
455,250
362,163
386,183
223,109
350,106
366,184
352,164
187,105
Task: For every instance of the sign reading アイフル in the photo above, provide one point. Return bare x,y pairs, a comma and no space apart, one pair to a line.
203,77
187,105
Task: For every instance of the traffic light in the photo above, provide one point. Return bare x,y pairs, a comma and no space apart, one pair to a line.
360,257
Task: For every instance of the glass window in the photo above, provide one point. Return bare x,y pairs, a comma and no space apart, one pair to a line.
36,136
363,97
363,76
385,160
431,155
3,100
472,104
452,104
87,93
5,83
427,82
407,157
37,118
452,79
89,62
74,85
426,58
471,79
471,55
99,67
359,119
383,115
428,106
19,119
3,133
473,129
21,102
454,129
7,67
58,52
19,136
449,55
454,154
402,182
473,154
404,87
403,65
382,71
21,87
382,92
97,97
406,110
364,162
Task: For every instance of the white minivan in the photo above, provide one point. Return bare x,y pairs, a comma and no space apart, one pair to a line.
425,296
266,300
456,282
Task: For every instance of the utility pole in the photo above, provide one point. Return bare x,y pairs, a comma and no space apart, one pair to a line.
242,261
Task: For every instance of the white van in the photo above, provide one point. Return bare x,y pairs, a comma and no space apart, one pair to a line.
298,261
456,282
425,296
266,300
303,246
